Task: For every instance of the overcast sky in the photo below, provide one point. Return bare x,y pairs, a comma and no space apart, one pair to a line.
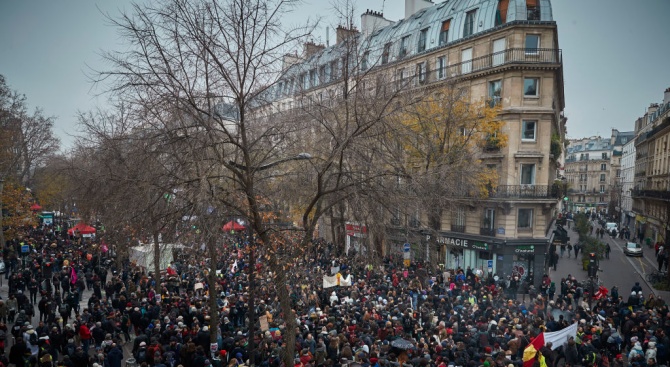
616,55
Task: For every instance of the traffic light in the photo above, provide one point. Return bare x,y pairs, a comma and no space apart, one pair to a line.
565,198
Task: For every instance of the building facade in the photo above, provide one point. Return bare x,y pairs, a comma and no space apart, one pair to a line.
588,170
651,193
504,51
628,183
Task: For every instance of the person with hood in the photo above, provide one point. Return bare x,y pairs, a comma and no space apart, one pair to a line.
651,351
636,354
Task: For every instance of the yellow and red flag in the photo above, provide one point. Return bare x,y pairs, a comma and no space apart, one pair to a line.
530,353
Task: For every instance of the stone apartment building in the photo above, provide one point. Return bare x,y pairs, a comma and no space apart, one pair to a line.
651,193
627,185
506,51
593,169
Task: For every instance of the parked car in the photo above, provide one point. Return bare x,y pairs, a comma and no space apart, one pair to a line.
632,249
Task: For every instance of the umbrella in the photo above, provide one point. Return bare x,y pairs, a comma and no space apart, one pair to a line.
35,207
402,344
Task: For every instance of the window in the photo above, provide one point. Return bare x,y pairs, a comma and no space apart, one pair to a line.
532,44
403,47
444,32
312,78
602,177
423,34
602,189
489,218
532,10
501,12
618,173
469,26
466,60
529,130
605,156
441,66
421,72
495,92
603,167
364,61
323,74
530,87
525,219
458,220
303,81
386,53
527,174
334,70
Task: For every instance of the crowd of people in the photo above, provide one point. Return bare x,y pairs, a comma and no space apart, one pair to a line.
447,317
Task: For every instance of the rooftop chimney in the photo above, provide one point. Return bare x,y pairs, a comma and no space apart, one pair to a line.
312,48
413,6
342,33
666,96
289,60
372,21
652,108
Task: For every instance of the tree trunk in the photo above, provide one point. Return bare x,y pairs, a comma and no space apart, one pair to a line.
157,265
212,281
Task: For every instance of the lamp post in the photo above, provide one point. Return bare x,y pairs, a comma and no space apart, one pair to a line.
251,312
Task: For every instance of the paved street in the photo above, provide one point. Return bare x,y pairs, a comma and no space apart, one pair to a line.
620,270
4,289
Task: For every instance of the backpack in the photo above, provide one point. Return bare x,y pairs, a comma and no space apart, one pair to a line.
33,339
141,356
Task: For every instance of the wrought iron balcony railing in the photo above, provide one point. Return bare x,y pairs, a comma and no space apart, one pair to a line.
653,194
525,191
487,232
458,228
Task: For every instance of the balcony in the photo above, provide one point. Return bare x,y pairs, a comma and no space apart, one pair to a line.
524,192
652,194
640,174
501,58
487,232
395,221
458,228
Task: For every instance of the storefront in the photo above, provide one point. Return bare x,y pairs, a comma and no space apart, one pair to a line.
464,253
524,259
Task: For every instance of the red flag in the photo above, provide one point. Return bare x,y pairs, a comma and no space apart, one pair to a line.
530,353
73,275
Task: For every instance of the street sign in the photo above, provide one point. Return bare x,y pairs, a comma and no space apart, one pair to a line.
501,230
406,247
490,264
406,255
25,249
406,263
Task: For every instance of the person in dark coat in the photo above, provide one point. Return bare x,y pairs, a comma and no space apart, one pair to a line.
115,356
17,351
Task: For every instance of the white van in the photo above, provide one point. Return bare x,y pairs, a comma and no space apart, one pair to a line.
612,228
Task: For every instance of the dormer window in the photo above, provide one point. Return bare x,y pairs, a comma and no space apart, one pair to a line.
403,47
532,10
386,53
469,26
501,12
444,32
423,35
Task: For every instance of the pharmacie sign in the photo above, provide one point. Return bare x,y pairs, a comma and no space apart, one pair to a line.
524,249
461,242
